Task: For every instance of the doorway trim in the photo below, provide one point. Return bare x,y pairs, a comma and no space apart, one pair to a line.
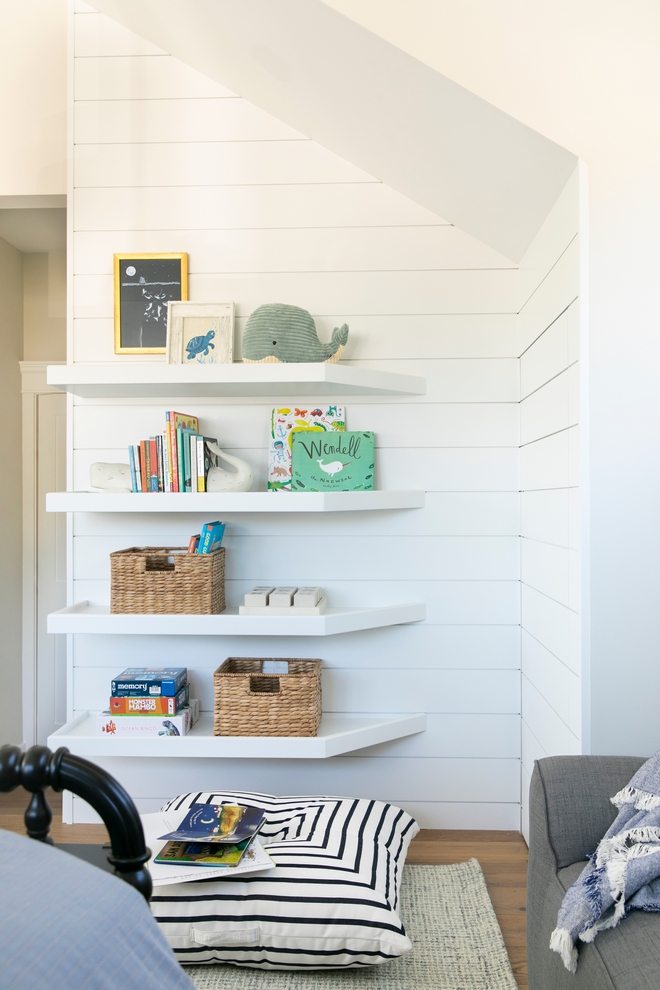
33,384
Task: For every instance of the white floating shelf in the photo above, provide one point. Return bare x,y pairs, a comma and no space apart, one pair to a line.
337,734
211,502
97,619
92,381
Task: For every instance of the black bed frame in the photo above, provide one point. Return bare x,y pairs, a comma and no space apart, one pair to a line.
39,768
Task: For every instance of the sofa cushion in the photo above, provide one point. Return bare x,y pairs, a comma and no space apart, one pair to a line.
630,952
331,901
577,797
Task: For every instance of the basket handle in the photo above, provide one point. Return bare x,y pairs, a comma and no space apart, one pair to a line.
260,684
162,564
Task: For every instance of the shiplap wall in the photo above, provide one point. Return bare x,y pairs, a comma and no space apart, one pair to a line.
549,326
167,160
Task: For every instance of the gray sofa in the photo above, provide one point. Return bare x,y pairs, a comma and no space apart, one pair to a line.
570,811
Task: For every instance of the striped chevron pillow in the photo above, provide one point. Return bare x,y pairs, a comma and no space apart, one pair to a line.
332,901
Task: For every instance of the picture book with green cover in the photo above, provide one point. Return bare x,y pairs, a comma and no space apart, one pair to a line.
202,853
332,462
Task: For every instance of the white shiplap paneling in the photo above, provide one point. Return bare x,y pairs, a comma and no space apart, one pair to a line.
291,249
145,77
219,207
398,780
550,499
342,294
443,425
427,337
167,160
453,469
555,294
147,121
469,647
98,35
491,692
447,602
545,411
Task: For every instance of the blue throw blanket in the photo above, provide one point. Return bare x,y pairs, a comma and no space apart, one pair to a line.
623,873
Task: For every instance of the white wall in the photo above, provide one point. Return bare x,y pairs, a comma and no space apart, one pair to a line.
167,160
11,348
44,306
33,105
551,509
586,77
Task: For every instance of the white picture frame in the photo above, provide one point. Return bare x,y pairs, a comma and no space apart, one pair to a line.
200,333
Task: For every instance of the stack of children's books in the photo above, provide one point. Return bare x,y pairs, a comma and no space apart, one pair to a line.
212,840
149,701
178,460
209,539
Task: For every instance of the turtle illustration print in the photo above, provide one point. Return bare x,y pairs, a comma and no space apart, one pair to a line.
200,345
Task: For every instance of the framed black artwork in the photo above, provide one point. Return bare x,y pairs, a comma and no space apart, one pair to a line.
144,284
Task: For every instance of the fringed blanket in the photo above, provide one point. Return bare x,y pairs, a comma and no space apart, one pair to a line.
624,872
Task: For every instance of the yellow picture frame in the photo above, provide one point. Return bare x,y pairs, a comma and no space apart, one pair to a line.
141,304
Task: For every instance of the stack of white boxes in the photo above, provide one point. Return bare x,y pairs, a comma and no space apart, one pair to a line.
283,601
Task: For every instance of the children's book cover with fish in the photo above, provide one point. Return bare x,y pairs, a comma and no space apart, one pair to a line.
332,462
287,420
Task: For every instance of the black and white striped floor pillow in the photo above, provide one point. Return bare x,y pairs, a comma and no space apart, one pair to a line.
332,901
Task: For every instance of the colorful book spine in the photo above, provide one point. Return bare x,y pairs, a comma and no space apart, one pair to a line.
174,463
147,464
159,455
194,463
131,461
193,543
138,469
180,460
143,466
192,453
186,460
167,487
201,472
153,465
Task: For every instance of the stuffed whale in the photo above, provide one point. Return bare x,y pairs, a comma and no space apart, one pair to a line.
276,332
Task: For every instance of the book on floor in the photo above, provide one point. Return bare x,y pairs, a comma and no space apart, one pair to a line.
202,853
218,823
255,859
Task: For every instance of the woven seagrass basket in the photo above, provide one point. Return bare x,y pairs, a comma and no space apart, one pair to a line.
251,703
166,580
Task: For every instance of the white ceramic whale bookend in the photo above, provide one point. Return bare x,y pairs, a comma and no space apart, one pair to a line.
238,480
110,477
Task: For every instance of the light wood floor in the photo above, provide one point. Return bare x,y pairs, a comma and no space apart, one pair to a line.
502,855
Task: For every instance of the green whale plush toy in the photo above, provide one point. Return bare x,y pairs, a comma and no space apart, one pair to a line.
277,332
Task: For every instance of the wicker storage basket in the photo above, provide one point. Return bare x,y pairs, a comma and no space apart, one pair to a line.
250,703
167,580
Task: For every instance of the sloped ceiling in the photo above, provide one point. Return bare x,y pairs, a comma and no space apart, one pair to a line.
373,104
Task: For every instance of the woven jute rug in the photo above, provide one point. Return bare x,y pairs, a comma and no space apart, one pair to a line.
448,916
